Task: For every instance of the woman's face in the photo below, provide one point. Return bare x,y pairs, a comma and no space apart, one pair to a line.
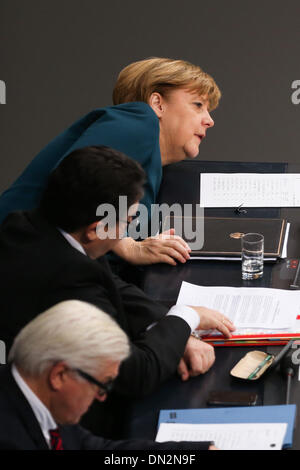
184,120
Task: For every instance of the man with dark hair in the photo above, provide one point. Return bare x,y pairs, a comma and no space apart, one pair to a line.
54,253
81,183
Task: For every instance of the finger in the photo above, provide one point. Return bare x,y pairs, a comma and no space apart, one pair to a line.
171,231
200,368
172,236
197,363
164,245
223,329
227,322
182,242
229,325
177,246
210,355
175,254
167,259
179,243
183,370
211,358
207,360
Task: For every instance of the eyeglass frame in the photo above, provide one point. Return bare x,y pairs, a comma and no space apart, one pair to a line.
130,218
107,387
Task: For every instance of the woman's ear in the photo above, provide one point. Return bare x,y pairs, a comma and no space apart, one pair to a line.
156,102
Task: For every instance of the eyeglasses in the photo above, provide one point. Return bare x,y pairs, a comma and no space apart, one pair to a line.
130,219
104,388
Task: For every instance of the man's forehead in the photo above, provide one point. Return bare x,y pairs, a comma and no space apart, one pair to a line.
108,371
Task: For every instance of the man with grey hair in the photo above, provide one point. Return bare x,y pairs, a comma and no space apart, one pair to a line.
59,363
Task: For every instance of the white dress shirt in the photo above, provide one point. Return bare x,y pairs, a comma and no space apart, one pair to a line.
187,314
40,411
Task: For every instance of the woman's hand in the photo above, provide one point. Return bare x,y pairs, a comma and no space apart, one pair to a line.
163,248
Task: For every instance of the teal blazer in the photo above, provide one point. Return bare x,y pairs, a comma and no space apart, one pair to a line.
131,128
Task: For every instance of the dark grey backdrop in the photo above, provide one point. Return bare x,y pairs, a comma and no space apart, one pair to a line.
59,60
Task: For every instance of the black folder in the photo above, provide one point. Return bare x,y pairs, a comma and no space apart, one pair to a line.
222,236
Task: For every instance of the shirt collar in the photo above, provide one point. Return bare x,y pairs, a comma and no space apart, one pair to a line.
41,412
72,241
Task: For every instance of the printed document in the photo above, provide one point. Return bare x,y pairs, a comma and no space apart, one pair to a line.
249,190
247,307
243,436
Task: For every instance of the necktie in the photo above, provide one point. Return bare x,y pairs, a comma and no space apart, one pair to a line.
56,440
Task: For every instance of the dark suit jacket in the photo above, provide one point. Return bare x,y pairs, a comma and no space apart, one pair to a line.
39,268
19,428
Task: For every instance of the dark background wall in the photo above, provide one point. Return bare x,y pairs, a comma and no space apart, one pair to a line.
59,60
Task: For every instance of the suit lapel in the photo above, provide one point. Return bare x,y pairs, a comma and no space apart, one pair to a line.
24,410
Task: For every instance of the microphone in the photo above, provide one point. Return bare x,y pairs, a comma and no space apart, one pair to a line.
288,369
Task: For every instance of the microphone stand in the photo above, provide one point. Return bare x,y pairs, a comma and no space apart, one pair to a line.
290,375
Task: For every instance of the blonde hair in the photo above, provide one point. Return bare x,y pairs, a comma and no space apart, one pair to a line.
139,80
72,331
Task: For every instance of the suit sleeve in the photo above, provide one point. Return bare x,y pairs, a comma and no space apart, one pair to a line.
141,310
154,357
155,352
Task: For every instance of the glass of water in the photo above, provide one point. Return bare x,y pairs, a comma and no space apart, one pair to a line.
252,256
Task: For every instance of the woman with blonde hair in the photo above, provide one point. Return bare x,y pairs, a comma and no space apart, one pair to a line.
161,113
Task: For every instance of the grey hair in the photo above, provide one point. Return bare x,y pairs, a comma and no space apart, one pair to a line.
72,331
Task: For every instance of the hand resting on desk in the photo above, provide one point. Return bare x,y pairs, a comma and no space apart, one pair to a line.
199,356
163,248
212,319
197,359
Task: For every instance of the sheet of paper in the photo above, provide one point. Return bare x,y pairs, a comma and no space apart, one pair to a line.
228,258
249,189
244,436
285,243
246,307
